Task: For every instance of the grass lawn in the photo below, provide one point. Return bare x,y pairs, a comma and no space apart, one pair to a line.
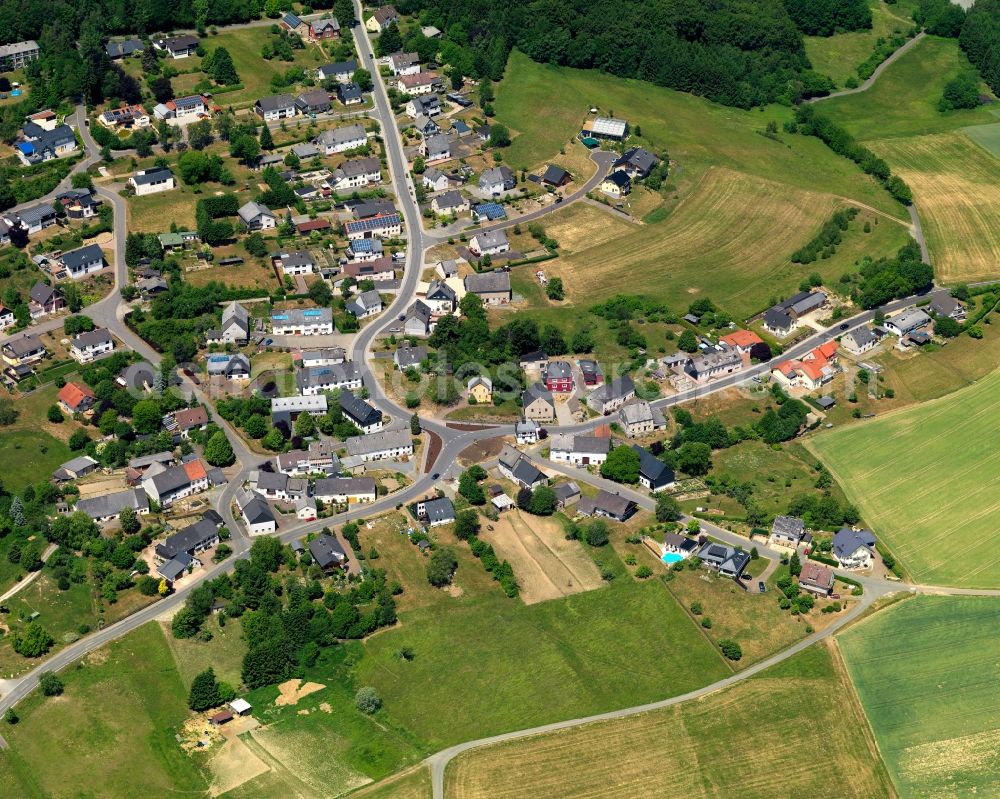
903,101
839,56
746,741
922,671
935,513
113,729
954,182
30,455
612,647
153,213
709,246
696,133
409,785
224,652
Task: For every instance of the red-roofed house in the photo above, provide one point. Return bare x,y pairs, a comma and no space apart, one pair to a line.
814,369
187,420
195,470
743,340
313,224
76,398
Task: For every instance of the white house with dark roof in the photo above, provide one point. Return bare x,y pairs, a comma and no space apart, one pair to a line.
256,216
537,403
235,327
365,417
489,242
340,71
854,549
302,322
313,380
296,262
83,261
579,450
91,345
437,511
151,181
275,107
367,303
787,531
609,397
516,467
340,140
345,490
907,322
381,446
178,46
860,340
106,507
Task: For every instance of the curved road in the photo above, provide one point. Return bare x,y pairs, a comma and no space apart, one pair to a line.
876,74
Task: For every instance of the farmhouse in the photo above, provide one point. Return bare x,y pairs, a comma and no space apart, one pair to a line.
579,450
611,396
537,403
302,322
608,505
91,345
566,493
436,511
327,552
784,317
75,468
76,398
106,507
816,578
367,418
514,466
493,288
638,418
854,549
345,490
380,446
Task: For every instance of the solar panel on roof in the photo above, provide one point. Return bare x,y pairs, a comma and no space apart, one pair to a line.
219,358
312,313
279,316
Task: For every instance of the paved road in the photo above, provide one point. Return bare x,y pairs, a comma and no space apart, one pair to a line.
876,74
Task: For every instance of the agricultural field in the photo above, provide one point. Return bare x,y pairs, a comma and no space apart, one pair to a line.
613,647
710,247
113,728
546,564
686,751
839,56
408,785
903,101
697,133
922,672
934,513
955,185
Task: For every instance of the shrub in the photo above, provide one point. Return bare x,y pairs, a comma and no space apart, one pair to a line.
50,684
730,649
367,700
643,572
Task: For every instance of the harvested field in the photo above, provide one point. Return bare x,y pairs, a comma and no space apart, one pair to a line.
924,670
937,514
546,565
688,751
233,765
957,193
291,691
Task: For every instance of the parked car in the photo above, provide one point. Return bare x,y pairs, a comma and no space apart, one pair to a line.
761,587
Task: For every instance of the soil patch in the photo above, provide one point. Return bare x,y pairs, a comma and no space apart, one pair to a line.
291,691
481,451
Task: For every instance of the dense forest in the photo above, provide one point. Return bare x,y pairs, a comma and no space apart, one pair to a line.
980,37
827,17
737,52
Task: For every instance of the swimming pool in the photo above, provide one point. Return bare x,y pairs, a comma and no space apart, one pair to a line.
672,557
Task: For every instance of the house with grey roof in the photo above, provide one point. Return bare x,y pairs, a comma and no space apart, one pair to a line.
493,288
907,322
489,242
537,403
257,514
787,531
313,380
515,466
91,345
314,101
860,340
497,180
437,148
235,327
345,490
256,216
854,549
579,450
230,367
106,507
340,140
366,417
946,305
409,357
609,397
436,511
75,468
417,320
367,303
654,474
151,181
449,202
637,162
340,71
327,552
302,322
381,446
638,418
82,262
726,560
608,505
275,107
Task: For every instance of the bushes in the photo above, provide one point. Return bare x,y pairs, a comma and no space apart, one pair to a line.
502,572
824,244
367,700
50,684
730,649
441,568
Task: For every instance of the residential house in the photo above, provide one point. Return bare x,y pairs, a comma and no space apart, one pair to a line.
559,377
235,328
488,212
80,203
566,494
313,380
257,514
676,544
324,29
713,363
436,511
18,55
639,418
379,269
428,105
816,368
278,106
435,180
285,409
417,320
24,350
946,305
611,396
480,389
193,106
907,322
83,261
43,300
340,140
363,415
7,318
579,450
350,94
75,468
816,578
106,507
345,490
743,341
305,509
526,431
33,219
605,128
76,398
407,357
449,202
441,298
726,560
854,549
489,242
176,482
555,176
497,180
229,367
314,101
179,240
151,181
278,485
516,467
39,145
381,446
297,262
404,64
617,185
91,345
367,303
185,420
420,83
323,356
591,370
126,117
302,322
177,46
382,226
293,24
364,249
125,49
46,120
537,403
636,162
327,552
608,505
436,148
355,173
340,71
860,340
654,474
784,317
787,531
383,17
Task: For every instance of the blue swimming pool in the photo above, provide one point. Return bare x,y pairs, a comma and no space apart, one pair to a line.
672,557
